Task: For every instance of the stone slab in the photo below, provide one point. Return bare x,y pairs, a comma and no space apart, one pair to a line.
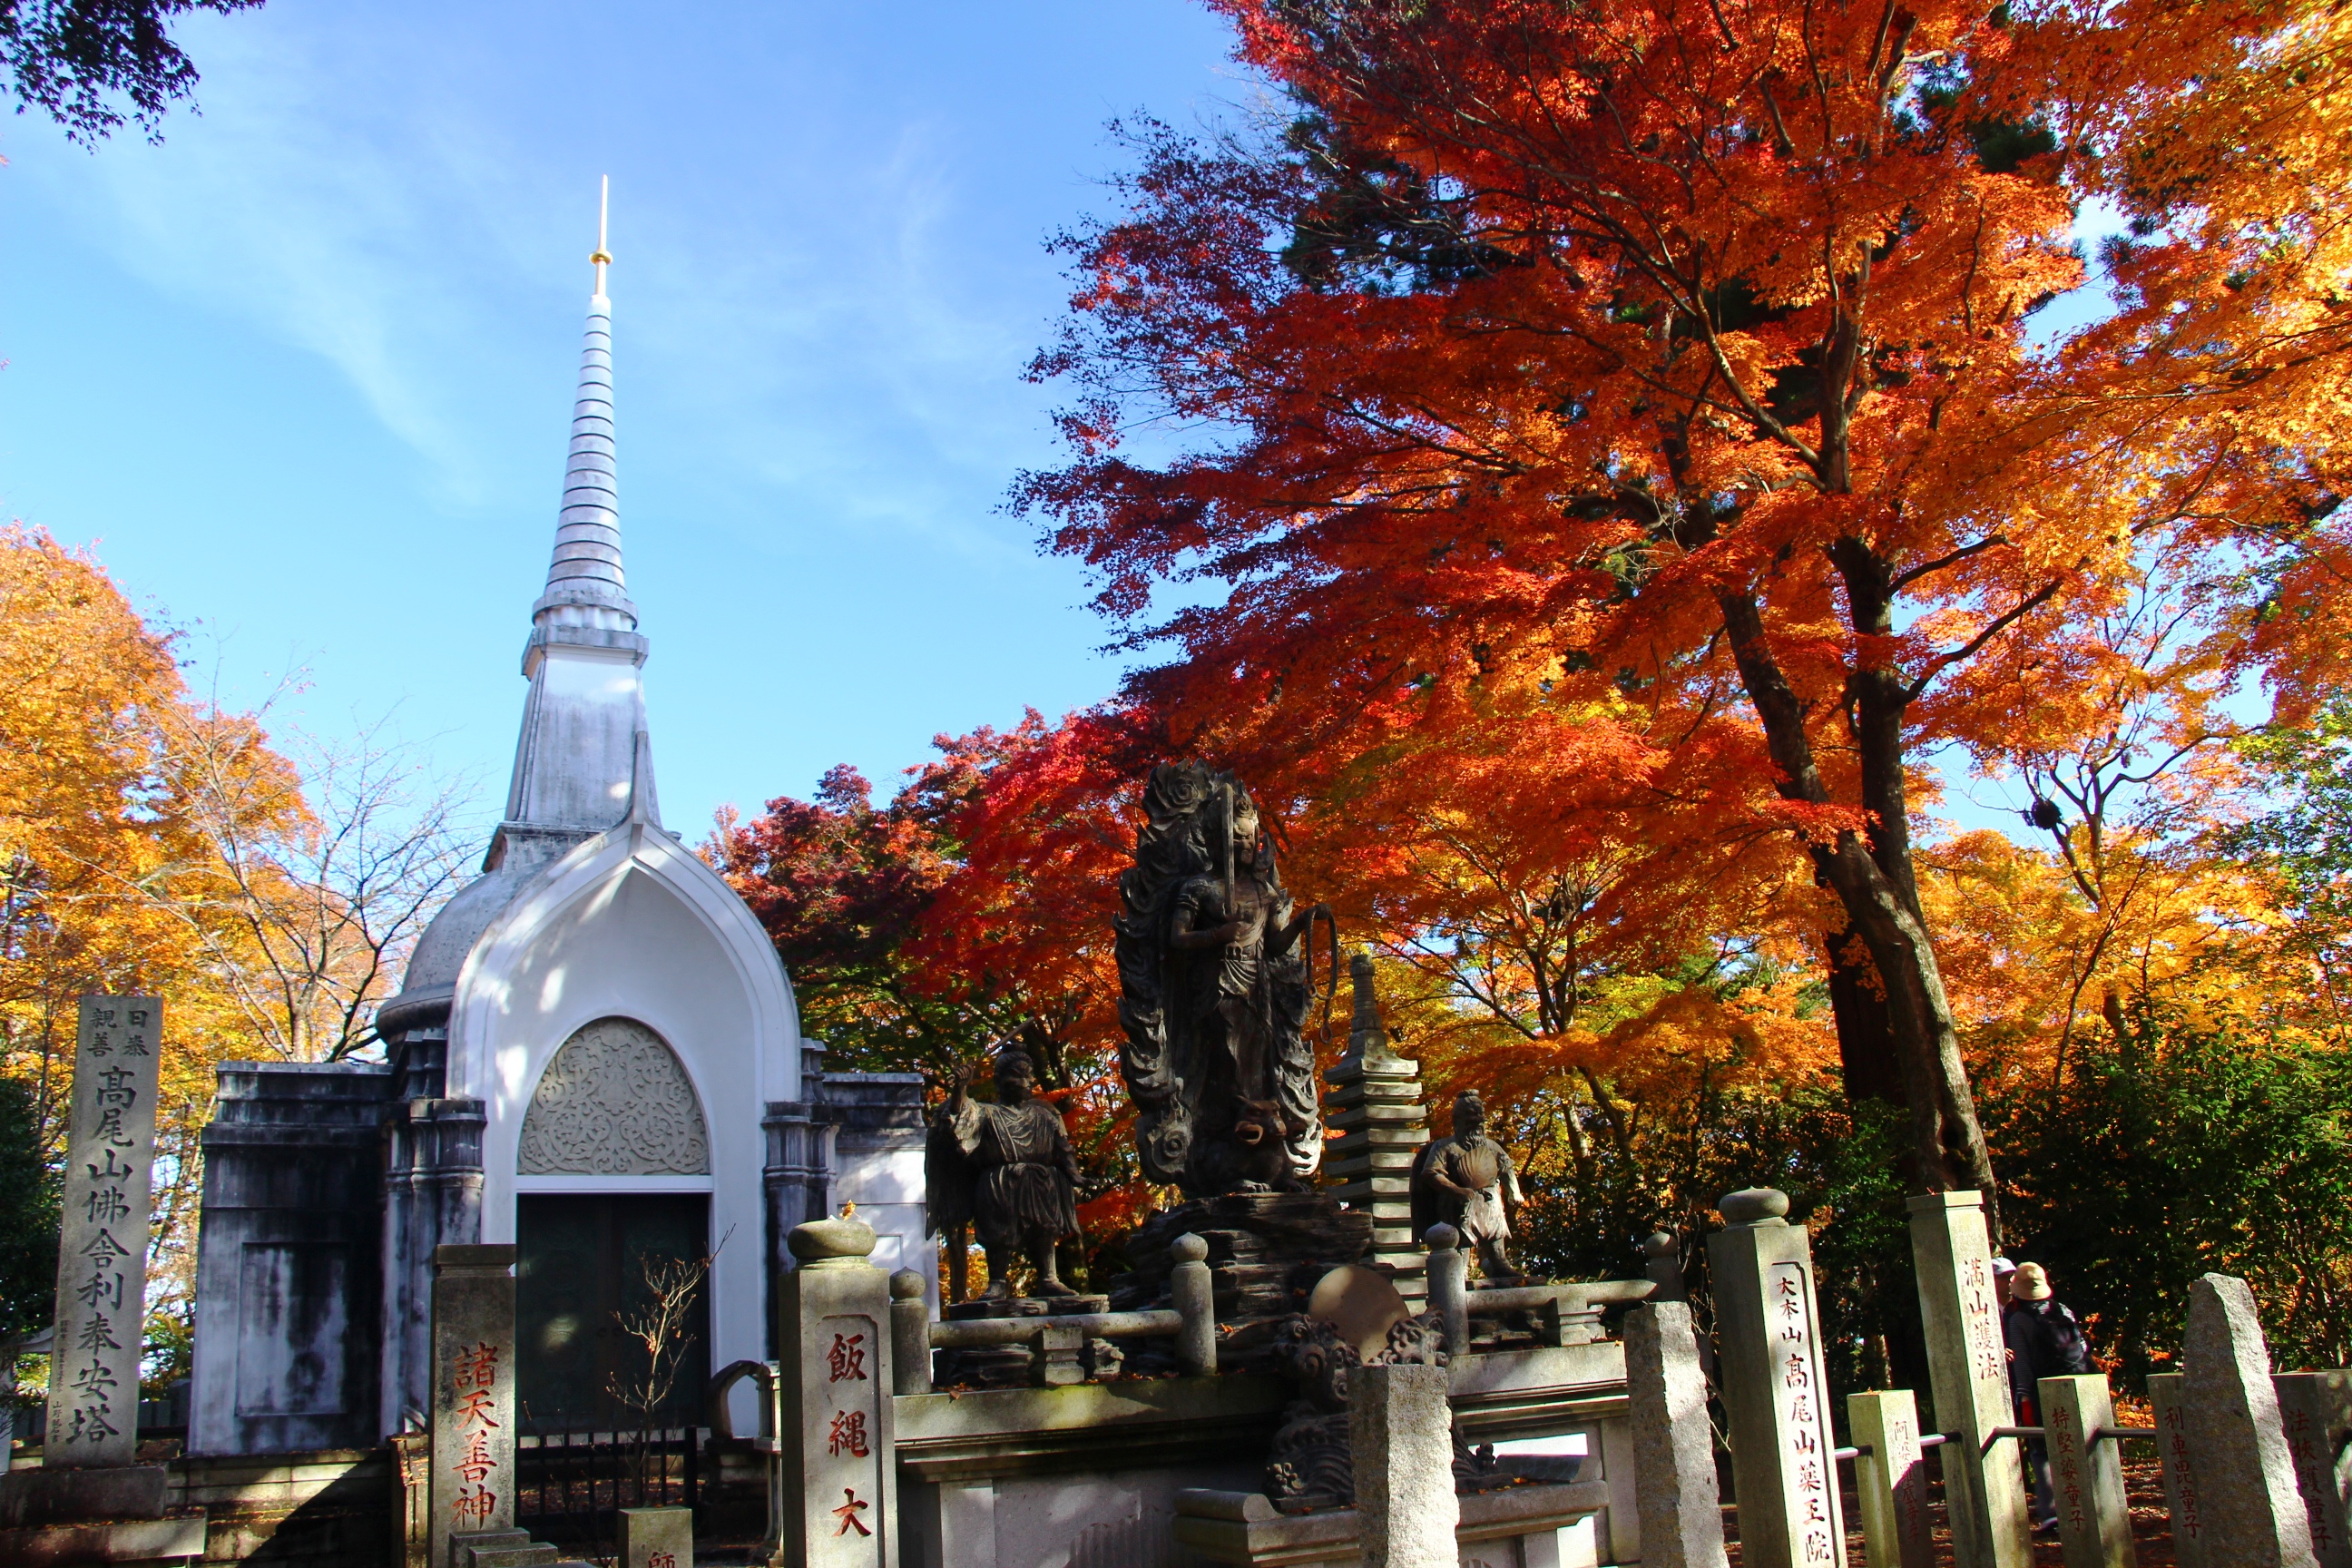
1674,1442
180,1539
2184,1499
2087,1473
1401,1439
43,1496
656,1538
2316,1409
1890,1473
2252,1507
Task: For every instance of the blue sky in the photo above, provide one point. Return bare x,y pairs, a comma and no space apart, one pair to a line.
302,373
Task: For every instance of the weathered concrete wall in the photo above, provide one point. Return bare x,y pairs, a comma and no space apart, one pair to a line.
329,1507
290,1261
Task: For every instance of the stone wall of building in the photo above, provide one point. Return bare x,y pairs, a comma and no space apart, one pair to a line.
289,1264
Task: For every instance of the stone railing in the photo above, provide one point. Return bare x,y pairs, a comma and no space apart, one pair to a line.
1564,1314
1060,1341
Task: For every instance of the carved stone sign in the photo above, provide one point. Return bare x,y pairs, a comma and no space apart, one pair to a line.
102,1244
841,1506
1968,1369
1774,1386
473,1481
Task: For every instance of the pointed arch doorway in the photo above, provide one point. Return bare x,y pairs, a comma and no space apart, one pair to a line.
614,1168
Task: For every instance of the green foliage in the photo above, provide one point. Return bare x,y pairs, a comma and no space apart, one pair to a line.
2308,839
2186,1148
1842,1169
75,59
28,1217
170,1351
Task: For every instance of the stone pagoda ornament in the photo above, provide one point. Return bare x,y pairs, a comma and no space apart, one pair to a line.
1215,991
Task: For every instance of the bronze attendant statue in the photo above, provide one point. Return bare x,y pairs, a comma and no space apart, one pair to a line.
1009,1168
1464,1181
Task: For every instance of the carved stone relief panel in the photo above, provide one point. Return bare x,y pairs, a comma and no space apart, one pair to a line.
615,1103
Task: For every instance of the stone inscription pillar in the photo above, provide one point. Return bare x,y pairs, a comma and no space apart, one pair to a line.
2182,1498
1400,1437
841,1489
1968,1369
1773,1388
1673,1444
474,1408
102,1242
1892,1479
2086,1472
2253,1509
2315,1408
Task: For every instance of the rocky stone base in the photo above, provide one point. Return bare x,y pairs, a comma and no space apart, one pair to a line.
1267,1250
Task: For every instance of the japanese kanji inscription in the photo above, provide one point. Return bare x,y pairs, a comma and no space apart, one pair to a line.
102,1242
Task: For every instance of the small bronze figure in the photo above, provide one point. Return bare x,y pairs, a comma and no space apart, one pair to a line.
1215,991
1019,1178
1464,1181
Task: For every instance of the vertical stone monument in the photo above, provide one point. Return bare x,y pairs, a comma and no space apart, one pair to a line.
1400,1440
841,1491
2087,1473
102,1242
2252,1511
1675,1488
90,1500
1774,1390
1967,1370
1891,1476
2183,1500
2316,1409
474,1413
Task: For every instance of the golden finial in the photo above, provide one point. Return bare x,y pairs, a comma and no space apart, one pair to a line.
604,213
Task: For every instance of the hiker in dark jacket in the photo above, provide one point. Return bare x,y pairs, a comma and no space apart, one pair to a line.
2044,1340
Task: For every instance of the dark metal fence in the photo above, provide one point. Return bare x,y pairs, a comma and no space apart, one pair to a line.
572,1485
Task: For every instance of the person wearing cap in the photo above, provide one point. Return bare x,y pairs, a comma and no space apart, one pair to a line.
2044,1340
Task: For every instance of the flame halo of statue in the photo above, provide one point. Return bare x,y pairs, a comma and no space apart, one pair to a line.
1214,990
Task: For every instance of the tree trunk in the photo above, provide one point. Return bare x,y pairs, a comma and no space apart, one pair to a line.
1874,883
1867,1060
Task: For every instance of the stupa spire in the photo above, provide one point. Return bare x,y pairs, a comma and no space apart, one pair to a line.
584,582
583,763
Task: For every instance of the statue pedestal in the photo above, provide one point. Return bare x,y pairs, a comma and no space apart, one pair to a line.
1266,1251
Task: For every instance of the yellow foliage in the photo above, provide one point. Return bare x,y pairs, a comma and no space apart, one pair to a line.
122,801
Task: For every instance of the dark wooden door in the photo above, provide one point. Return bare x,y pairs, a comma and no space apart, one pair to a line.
580,1271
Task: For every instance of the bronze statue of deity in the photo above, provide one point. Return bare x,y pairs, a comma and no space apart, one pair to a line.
1215,985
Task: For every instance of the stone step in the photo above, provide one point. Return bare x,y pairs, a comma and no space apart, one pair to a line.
499,1549
534,1555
